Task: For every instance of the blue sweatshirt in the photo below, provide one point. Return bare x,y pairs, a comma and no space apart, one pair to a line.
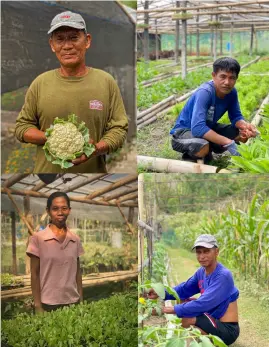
204,109
217,291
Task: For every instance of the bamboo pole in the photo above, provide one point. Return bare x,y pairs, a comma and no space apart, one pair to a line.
239,11
125,219
13,241
152,81
227,4
257,28
257,118
131,215
146,32
87,281
250,62
155,116
251,40
177,37
14,179
128,197
141,213
197,36
8,192
184,45
156,41
72,198
154,107
175,166
91,178
119,183
120,194
231,37
39,186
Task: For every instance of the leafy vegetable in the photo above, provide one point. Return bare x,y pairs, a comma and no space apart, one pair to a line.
67,140
110,322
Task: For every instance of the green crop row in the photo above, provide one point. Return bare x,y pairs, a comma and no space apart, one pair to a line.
10,280
262,66
172,86
110,322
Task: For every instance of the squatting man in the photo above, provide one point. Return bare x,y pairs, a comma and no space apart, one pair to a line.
74,88
215,311
197,132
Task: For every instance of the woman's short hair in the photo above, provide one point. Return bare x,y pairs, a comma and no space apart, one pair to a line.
57,195
226,64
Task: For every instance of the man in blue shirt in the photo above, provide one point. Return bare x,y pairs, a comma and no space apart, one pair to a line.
197,132
215,311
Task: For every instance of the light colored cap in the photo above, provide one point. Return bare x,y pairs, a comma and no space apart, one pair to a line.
68,19
205,240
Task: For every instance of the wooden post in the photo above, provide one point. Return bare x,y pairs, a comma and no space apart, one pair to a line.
251,40
146,32
211,37
131,215
256,40
26,210
197,36
215,41
231,37
156,41
190,43
183,44
221,42
141,212
13,240
177,37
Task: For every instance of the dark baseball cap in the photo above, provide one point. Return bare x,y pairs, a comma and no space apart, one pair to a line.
67,19
205,240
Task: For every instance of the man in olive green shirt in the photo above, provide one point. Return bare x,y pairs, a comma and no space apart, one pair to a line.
74,88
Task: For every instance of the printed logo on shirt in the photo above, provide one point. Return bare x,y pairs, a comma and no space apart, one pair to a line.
96,105
200,285
210,114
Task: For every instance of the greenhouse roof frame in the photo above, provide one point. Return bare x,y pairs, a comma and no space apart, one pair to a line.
96,189
248,13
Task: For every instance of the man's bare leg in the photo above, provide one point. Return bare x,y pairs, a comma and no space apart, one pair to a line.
203,152
187,323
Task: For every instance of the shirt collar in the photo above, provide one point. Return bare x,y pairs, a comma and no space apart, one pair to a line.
49,235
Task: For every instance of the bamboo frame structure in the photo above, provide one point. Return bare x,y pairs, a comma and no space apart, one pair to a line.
87,281
198,16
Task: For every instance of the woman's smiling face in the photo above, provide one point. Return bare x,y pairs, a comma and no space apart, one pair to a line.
59,211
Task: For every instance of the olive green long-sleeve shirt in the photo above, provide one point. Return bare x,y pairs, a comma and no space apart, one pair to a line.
95,98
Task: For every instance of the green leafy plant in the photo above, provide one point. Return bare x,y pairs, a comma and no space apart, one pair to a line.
10,280
110,322
67,140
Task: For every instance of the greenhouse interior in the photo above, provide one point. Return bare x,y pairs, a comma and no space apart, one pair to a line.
177,43
104,216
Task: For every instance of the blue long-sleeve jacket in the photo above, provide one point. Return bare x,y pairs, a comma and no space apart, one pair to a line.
217,292
204,109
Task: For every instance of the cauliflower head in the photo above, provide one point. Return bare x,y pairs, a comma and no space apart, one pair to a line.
67,140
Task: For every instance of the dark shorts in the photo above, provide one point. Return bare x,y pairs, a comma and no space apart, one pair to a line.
228,332
49,308
184,142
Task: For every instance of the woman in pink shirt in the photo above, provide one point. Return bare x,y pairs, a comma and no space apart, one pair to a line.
56,278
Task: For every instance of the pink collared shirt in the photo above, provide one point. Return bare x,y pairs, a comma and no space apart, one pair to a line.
58,266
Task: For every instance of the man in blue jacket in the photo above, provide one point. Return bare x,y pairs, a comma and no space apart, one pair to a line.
197,132
215,311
